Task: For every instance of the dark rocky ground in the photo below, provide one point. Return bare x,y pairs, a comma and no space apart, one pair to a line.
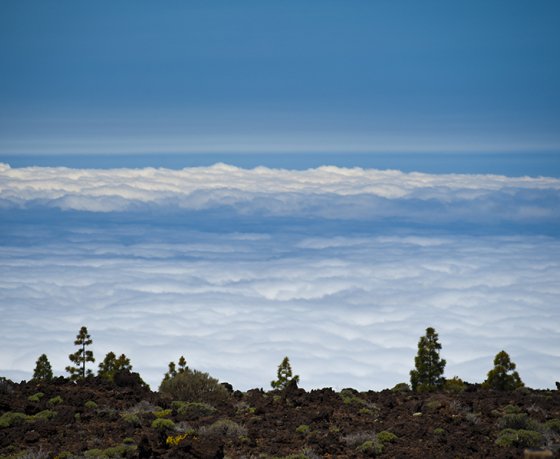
99,419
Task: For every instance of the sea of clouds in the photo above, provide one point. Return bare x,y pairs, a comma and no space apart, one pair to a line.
340,269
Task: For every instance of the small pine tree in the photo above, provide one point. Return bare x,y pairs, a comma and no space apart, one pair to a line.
503,376
43,369
111,364
81,356
428,374
173,371
284,375
182,364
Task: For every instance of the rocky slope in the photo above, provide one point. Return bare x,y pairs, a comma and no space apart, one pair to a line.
95,418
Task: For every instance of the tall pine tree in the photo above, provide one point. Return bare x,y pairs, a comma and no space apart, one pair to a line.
81,356
428,374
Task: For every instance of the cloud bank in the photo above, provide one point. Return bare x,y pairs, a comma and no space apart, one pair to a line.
156,264
325,192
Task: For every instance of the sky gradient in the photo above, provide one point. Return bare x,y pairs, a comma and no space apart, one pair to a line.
239,181
298,76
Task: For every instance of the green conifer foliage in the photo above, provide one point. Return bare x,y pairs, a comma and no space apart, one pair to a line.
428,374
284,375
81,356
43,369
175,369
503,376
111,364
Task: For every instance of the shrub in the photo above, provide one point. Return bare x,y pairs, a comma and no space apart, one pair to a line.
194,410
284,375
439,431
386,437
44,415
350,397
519,438
90,405
357,438
553,424
174,440
36,397
163,425
454,385
56,400
119,451
132,419
162,413
512,409
10,419
401,387
303,429
370,447
503,376
194,386
224,428
517,421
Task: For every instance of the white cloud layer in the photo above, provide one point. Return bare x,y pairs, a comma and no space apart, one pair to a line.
356,192
236,268
348,311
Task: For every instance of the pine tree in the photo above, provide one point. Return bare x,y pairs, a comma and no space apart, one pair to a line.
284,375
81,356
111,364
182,364
43,369
428,374
503,376
174,371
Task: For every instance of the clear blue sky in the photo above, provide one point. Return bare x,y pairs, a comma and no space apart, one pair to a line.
254,76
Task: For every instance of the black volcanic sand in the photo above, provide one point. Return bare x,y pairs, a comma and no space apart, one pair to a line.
315,424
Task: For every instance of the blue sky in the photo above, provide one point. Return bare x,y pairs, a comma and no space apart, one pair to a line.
381,167
299,76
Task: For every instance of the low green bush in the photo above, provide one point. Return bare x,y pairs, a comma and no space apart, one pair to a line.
518,421
195,410
44,415
401,387
370,447
454,385
553,424
439,431
10,419
386,437
132,419
520,438
303,429
512,409
163,425
162,413
224,428
90,405
194,386
350,397
57,400
36,397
